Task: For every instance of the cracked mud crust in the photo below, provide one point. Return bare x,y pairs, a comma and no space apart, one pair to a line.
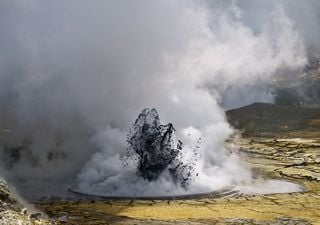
296,160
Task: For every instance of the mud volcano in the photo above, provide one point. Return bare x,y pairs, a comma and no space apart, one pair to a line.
155,167
157,148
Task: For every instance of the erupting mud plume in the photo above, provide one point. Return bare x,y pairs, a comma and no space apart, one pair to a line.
75,74
157,147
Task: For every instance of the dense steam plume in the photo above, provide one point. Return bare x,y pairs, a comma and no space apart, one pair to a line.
75,74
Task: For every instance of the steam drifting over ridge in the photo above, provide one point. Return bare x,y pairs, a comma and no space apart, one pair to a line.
74,75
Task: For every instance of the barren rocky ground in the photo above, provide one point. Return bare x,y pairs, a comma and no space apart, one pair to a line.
12,211
292,159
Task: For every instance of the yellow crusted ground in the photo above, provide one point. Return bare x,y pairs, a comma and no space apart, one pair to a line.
292,159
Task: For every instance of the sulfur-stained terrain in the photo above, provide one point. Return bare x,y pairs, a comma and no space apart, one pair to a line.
293,159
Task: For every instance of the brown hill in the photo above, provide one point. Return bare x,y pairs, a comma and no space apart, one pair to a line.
260,119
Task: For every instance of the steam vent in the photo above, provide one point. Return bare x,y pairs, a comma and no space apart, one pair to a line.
157,148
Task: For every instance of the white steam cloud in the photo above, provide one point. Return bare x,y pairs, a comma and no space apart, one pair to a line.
75,74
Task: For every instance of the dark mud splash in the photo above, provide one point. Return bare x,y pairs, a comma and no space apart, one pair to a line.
157,149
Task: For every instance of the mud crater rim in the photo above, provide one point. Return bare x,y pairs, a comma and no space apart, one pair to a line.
226,192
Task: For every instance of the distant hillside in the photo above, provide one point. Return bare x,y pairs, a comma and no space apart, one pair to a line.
305,94
306,89
264,118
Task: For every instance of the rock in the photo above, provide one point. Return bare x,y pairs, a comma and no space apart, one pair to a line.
63,218
157,147
35,216
4,190
298,161
292,145
307,157
24,211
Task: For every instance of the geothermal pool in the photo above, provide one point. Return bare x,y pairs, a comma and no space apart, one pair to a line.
155,166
